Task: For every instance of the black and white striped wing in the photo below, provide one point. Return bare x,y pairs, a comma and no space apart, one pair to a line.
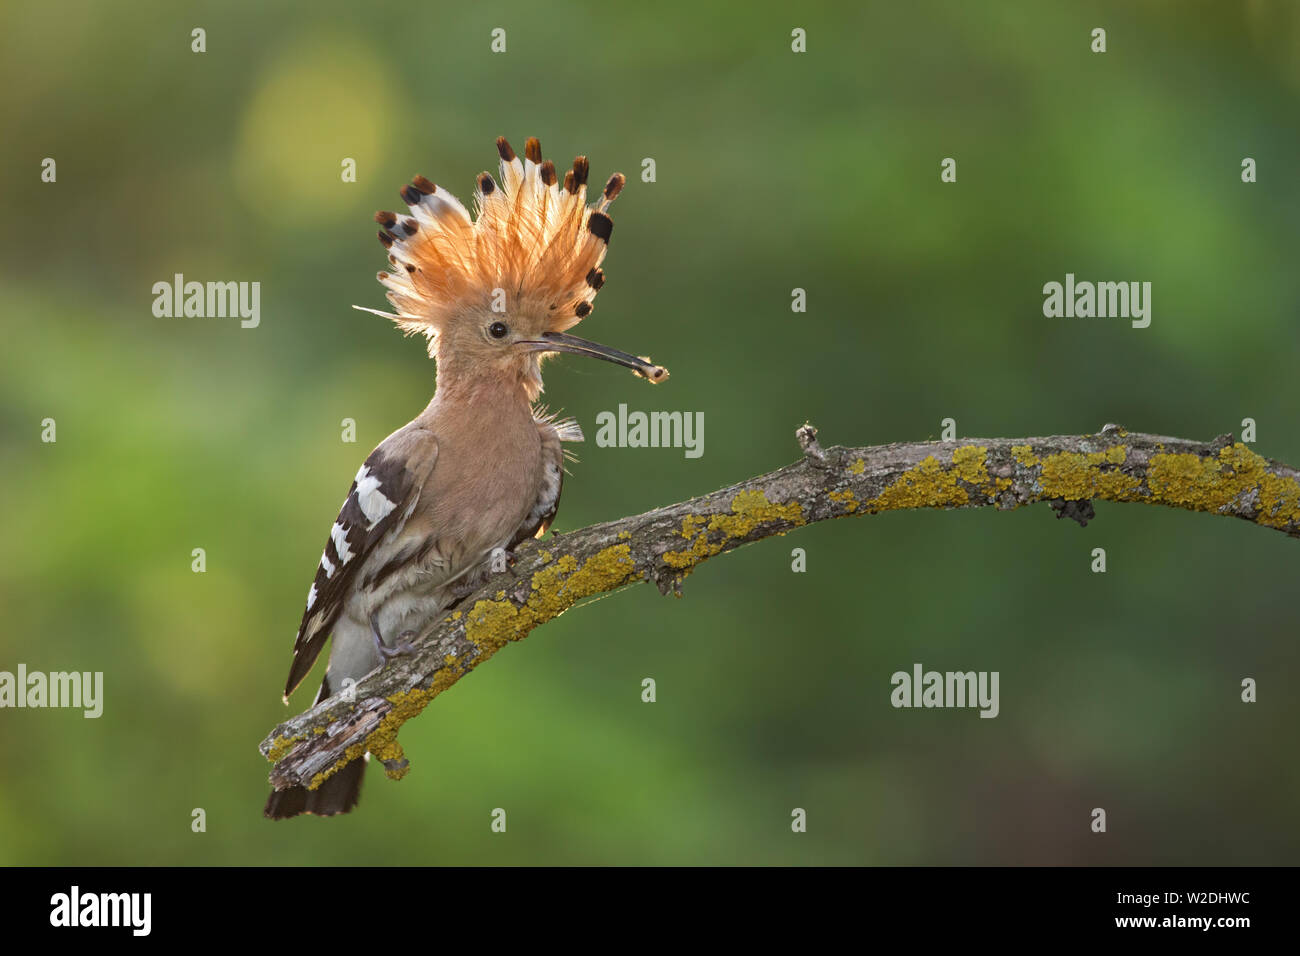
383,494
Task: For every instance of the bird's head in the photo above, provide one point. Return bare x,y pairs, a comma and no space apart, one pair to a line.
496,293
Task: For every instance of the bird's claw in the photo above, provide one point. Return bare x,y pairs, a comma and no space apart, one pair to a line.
386,653
401,648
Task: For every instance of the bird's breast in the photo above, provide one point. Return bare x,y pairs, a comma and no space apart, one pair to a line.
481,490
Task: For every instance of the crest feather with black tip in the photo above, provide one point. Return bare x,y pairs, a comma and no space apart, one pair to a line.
531,235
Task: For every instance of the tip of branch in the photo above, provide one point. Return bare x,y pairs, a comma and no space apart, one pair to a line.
806,435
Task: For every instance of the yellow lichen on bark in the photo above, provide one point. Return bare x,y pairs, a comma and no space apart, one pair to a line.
1075,476
749,509
927,485
282,745
968,464
1024,454
931,484
489,625
1237,478
846,498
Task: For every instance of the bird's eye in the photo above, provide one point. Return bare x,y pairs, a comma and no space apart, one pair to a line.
498,330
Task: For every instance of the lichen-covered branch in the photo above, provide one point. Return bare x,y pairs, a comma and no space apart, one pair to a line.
664,545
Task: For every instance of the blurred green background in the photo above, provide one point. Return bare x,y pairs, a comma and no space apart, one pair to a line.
775,171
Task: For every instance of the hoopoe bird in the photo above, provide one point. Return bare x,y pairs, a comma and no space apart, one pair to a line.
480,470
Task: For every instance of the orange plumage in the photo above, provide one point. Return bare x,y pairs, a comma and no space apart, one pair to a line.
535,241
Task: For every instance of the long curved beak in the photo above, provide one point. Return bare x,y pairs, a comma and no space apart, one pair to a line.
563,342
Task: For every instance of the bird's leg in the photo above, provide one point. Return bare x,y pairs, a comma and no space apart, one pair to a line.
386,654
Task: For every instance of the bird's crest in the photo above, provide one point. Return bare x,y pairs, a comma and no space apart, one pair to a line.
535,241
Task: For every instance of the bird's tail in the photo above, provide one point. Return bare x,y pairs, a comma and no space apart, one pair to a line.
339,793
